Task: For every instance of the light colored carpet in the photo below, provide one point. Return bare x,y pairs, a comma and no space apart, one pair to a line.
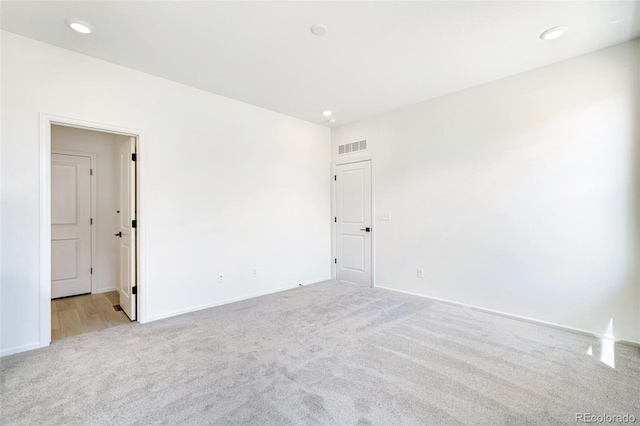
330,353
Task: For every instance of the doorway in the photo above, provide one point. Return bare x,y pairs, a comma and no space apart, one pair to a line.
92,193
354,220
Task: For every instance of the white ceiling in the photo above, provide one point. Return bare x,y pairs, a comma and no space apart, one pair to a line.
376,56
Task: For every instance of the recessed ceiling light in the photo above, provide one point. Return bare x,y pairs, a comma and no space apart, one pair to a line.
327,113
553,33
319,29
332,121
79,26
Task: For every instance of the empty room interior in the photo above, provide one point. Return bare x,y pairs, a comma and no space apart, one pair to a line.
319,213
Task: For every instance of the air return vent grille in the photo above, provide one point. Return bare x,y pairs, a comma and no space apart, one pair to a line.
351,147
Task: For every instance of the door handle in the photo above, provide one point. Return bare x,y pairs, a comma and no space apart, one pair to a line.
366,229
119,234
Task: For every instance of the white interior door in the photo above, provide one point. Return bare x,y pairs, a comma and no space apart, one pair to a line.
126,232
70,225
353,222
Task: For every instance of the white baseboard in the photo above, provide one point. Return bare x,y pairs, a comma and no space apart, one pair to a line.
231,300
18,349
104,290
37,345
318,281
517,317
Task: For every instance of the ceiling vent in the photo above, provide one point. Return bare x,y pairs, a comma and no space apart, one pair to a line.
352,147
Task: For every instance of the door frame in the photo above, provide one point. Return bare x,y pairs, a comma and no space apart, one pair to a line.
94,202
46,121
334,228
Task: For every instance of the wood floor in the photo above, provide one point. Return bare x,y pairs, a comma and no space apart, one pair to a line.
81,314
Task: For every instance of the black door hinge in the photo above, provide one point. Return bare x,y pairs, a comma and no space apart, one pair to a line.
134,290
335,177
335,219
134,223
91,221
335,260
134,157
91,172
91,271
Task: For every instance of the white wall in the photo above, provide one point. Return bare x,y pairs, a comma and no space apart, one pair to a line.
229,187
103,145
520,196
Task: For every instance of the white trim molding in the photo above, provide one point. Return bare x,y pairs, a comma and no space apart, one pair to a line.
46,120
235,299
518,317
18,349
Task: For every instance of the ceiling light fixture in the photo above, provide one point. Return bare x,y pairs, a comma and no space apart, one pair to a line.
319,29
553,33
332,121
79,26
327,113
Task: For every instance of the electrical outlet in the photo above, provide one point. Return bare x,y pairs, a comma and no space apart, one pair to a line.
219,278
420,273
